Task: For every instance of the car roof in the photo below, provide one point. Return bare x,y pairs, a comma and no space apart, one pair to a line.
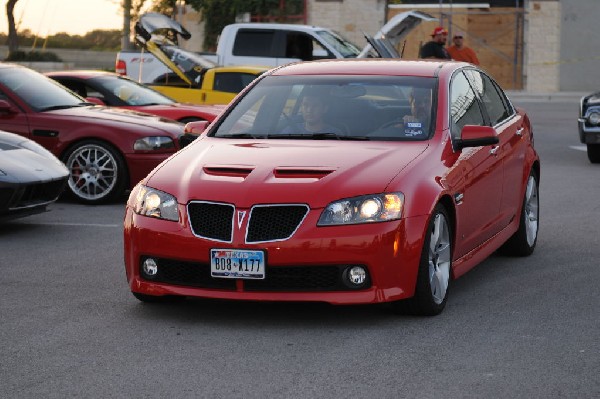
372,66
82,74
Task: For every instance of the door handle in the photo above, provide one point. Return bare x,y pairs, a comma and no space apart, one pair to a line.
520,131
494,149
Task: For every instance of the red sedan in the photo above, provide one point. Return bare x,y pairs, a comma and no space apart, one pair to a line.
348,182
107,150
106,88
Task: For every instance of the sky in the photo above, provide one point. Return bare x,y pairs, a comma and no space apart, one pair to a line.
76,17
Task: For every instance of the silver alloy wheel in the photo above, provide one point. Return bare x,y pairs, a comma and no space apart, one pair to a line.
94,172
439,258
531,210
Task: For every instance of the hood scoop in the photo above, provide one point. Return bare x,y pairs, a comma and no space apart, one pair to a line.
301,173
228,171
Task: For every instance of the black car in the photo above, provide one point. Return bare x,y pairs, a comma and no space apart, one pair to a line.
589,125
30,177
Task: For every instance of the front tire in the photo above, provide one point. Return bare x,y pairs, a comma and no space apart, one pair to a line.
523,242
593,153
431,293
98,172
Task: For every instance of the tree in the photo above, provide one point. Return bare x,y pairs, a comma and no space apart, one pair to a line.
13,42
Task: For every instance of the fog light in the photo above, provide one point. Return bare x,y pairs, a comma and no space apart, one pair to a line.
150,267
355,276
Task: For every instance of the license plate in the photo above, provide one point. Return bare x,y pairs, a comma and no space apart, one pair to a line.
237,263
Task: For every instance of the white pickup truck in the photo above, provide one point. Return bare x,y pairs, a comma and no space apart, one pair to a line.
262,44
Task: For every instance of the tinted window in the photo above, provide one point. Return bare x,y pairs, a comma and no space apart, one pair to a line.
464,108
38,91
348,107
253,43
232,82
492,99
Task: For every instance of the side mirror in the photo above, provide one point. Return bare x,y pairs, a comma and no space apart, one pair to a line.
95,100
192,131
7,108
196,127
476,136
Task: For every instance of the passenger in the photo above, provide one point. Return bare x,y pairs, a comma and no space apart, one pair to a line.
314,106
417,123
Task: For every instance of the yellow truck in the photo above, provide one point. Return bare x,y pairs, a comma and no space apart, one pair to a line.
217,85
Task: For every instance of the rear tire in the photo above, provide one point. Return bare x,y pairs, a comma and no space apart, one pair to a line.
523,242
593,153
431,292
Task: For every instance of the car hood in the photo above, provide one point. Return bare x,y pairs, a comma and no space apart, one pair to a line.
19,164
314,172
192,109
396,29
110,115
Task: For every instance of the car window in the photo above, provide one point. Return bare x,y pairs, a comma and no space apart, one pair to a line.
493,100
37,90
464,108
128,92
337,107
232,82
254,43
303,46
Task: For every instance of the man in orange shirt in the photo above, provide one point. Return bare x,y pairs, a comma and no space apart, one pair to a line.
460,52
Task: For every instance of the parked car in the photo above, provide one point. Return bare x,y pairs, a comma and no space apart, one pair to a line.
589,125
107,150
218,85
107,88
263,44
348,182
31,177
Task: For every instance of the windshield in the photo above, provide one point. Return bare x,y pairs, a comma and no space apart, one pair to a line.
38,91
343,46
334,107
130,92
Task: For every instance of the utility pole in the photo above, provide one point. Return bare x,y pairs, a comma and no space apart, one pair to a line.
125,40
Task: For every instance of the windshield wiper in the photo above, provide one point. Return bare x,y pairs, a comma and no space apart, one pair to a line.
317,136
56,107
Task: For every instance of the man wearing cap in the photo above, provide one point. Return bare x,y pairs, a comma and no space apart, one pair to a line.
435,48
460,52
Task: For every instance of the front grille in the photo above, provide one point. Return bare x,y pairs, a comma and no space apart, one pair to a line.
284,279
30,195
211,220
187,274
274,222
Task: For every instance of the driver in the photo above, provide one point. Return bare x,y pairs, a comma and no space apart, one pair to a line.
314,106
417,123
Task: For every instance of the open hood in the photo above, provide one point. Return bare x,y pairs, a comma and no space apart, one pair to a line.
159,34
395,30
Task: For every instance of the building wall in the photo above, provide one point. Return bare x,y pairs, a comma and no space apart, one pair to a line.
542,45
350,18
579,45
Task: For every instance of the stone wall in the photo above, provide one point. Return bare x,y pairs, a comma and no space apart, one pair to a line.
75,59
542,45
350,18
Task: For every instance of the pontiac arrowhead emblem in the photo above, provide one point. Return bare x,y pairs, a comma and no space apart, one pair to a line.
240,218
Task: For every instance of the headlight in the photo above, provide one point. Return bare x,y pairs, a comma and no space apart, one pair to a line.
153,143
594,118
364,209
154,203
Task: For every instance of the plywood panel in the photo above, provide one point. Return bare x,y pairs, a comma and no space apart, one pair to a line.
491,33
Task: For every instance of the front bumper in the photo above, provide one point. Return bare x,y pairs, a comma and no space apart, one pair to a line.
390,252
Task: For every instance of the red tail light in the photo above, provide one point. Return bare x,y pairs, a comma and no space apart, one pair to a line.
121,67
